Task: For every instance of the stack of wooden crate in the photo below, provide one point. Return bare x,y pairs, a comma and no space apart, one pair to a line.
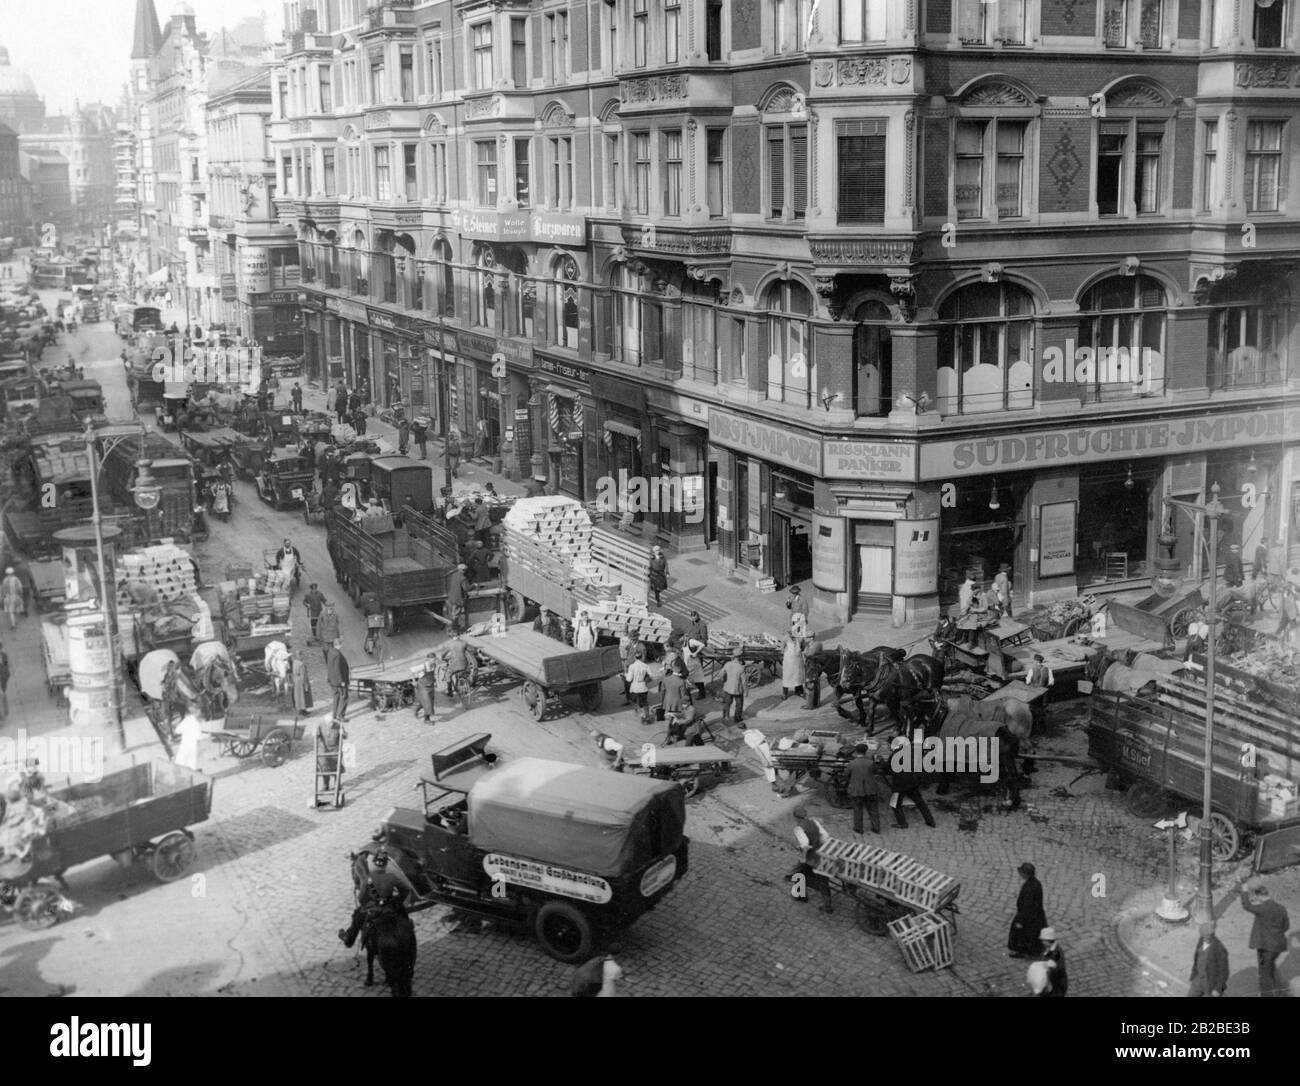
925,940
166,568
551,537
627,615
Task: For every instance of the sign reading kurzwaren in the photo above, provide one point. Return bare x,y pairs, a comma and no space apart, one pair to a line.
1085,444
776,444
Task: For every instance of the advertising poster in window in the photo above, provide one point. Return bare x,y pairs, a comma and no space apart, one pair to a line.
1056,530
828,565
916,557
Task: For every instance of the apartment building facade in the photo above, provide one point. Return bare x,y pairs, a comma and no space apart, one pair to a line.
899,290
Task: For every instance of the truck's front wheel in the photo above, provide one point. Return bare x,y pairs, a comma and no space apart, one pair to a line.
564,932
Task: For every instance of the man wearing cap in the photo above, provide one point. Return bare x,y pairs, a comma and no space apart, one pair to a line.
734,686
1267,934
314,601
697,629
798,608
1054,958
327,627
1002,588
1209,965
864,788
1030,919
638,683
810,835
458,596
1040,674
1234,576
338,674
425,682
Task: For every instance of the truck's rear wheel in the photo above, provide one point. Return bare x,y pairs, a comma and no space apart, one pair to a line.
516,606
564,932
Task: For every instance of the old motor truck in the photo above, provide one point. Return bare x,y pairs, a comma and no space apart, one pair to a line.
571,852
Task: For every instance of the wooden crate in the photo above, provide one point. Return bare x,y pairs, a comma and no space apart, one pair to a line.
912,936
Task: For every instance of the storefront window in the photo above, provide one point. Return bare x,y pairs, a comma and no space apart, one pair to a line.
566,452
872,354
1122,320
1116,513
791,371
986,346
984,530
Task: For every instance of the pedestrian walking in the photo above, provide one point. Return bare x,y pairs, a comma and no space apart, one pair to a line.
453,454
798,608
638,684
693,658
301,684
864,787
11,597
420,432
403,436
1234,575
1267,934
425,684
314,602
482,521
809,836
626,654
908,786
676,695
341,402
1054,959
339,675
792,668
295,398
1209,976
359,421
1002,588
734,686
658,573
1026,926
970,610
1290,608
4,683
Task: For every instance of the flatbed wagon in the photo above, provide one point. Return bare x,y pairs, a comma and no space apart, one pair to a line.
244,734
548,669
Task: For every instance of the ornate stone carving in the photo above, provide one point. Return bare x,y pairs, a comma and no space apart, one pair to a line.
1204,276
900,68
1064,164
1136,94
785,100
862,72
483,107
1267,74
380,118
909,129
435,127
1231,118
862,251
823,73
654,88
1129,266
903,288
556,116
992,272
737,296
997,94
825,285
814,210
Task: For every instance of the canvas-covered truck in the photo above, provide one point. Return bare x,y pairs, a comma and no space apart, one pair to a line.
572,853
403,567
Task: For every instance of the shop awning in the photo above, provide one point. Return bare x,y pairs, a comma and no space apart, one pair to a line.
615,427
567,393
160,276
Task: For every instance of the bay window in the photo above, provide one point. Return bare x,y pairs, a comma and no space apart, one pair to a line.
383,176
1263,165
860,172
787,171
1122,320
862,21
791,372
485,188
480,36
985,348
672,162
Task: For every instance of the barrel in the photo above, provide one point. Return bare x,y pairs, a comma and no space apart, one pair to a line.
89,652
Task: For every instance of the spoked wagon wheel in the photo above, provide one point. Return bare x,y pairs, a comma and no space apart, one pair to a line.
1072,627
872,914
535,699
590,696
564,932
754,673
837,795
243,748
1182,621
1225,841
1145,800
172,856
37,908
275,748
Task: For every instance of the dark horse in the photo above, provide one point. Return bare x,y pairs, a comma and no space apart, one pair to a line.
881,676
961,719
389,935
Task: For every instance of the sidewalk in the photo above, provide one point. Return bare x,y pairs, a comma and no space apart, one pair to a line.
696,583
1166,949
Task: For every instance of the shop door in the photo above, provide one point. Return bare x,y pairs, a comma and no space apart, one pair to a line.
780,549
711,503
875,578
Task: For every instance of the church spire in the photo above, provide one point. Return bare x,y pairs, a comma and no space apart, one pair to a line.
148,36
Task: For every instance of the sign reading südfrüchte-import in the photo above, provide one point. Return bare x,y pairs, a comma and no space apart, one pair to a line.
776,444
1085,444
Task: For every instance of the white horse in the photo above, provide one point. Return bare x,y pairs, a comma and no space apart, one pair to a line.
276,661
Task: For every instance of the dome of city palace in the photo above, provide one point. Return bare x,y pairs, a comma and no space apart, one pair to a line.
14,82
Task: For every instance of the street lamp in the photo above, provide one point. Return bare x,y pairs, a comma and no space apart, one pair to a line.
146,493
1210,514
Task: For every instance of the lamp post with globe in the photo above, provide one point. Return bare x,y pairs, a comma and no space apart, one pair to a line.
1166,582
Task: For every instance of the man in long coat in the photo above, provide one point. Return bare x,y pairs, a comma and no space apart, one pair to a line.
1030,919
1209,965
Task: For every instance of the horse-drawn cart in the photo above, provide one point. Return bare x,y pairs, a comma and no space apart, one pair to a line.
244,734
1180,611
548,668
896,895
141,813
761,656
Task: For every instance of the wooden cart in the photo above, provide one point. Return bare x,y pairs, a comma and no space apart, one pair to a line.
1180,611
548,668
896,895
761,659
245,733
389,685
694,768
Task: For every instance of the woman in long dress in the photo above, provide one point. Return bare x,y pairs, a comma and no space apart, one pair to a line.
302,699
792,667
187,751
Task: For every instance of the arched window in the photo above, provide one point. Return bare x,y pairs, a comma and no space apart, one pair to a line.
515,291
360,261
484,293
872,360
1134,168
986,344
1122,321
564,294
791,372
443,281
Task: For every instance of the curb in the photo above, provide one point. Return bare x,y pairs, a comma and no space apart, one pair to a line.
1122,924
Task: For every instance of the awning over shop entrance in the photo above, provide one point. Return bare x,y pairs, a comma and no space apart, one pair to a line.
616,427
